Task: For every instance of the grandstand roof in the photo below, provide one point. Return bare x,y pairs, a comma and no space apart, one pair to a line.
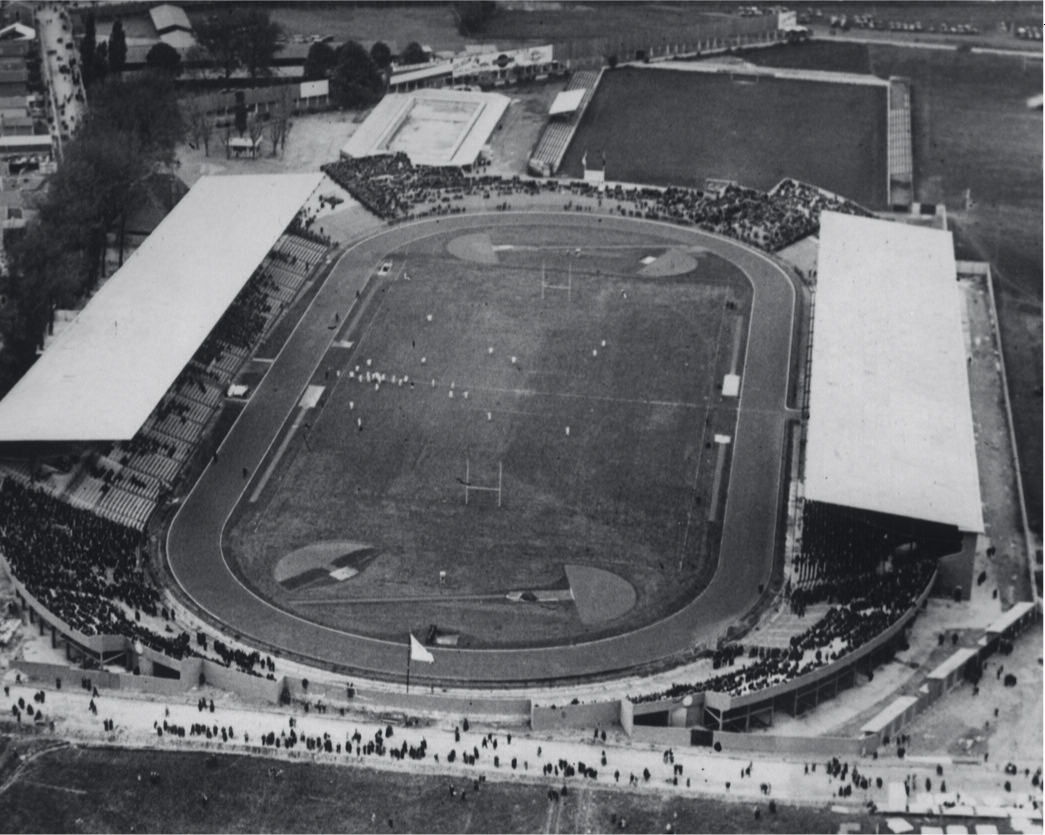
105,374
890,419
567,101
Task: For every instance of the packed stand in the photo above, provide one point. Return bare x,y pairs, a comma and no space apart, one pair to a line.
843,549
875,606
90,567
394,189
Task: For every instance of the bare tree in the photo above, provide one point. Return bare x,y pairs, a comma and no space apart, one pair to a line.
280,123
255,130
200,125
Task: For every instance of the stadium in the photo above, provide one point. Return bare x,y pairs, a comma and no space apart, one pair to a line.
555,445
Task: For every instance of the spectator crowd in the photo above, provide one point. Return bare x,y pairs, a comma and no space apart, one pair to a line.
394,189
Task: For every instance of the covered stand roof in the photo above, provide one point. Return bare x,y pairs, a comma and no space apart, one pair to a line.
890,419
103,376
567,102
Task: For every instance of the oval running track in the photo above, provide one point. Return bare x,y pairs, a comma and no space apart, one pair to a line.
194,549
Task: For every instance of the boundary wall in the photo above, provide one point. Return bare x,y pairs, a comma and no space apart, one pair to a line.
709,34
1033,569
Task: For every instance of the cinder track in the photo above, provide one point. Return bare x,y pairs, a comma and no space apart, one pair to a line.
194,539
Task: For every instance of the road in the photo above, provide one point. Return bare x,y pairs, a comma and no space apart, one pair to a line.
194,541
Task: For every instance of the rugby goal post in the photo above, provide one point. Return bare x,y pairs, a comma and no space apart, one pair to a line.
482,488
568,286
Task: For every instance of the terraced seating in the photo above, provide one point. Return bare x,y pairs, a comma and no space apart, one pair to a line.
555,138
141,484
160,467
285,278
87,493
125,508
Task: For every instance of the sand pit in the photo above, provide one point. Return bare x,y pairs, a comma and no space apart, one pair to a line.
475,248
600,595
322,562
675,261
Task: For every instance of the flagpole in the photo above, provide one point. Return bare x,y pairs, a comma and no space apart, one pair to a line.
409,653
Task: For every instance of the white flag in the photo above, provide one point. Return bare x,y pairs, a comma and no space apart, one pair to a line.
418,652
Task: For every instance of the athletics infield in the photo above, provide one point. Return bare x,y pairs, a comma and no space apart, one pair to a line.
749,517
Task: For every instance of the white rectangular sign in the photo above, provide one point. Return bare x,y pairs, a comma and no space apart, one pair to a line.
493,61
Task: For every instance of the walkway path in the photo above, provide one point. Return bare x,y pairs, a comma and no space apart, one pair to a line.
750,524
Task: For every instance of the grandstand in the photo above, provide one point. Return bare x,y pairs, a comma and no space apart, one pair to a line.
559,130
890,468
102,377
901,164
95,435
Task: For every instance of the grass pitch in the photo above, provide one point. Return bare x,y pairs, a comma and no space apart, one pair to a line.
625,490
662,127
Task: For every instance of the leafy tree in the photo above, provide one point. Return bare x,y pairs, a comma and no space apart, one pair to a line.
220,34
381,54
117,48
142,106
320,61
413,54
164,58
239,114
473,15
88,50
101,62
258,41
356,81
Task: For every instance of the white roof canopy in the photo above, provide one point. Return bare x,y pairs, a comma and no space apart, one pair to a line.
890,419
102,377
567,101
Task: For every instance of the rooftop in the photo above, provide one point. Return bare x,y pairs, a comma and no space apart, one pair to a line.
890,418
105,374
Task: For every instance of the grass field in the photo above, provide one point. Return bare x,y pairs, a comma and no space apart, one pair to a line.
624,491
813,55
662,127
101,790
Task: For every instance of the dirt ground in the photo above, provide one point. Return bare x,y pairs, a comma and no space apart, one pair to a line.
315,139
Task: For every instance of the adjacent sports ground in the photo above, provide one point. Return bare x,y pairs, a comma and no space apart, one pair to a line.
662,127
581,370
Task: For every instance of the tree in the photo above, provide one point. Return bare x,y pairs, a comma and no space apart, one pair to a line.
164,58
279,123
413,54
381,54
239,114
255,130
320,61
196,61
101,62
199,124
258,41
356,81
88,50
472,16
117,48
142,106
219,34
